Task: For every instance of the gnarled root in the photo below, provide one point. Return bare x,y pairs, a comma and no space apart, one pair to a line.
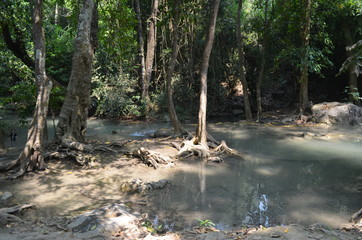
357,216
151,158
188,148
5,213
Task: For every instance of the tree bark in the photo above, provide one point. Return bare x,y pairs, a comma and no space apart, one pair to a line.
150,54
303,81
170,70
31,157
72,123
241,65
352,76
201,134
141,47
263,61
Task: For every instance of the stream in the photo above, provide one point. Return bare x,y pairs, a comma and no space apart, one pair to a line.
286,178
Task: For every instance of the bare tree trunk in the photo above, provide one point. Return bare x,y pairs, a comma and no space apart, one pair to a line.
241,66
303,81
201,134
74,112
263,61
141,48
31,157
150,54
170,104
352,76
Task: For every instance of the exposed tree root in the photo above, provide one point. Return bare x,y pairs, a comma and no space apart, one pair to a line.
188,149
357,216
214,147
79,157
5,213
151,158
75,145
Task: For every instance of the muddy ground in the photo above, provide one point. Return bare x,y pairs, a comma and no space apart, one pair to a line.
66,190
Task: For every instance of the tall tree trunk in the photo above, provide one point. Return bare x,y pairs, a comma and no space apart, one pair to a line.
352,76
72,123
31,157
201,134
141,47
303,81
262,64
170,104
241,65
150,53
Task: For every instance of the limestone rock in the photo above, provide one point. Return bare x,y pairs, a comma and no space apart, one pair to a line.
337,113
106,221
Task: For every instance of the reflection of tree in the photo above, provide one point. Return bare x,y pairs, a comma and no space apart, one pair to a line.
202,178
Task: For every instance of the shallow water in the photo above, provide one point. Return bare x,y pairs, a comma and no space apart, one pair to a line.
284,179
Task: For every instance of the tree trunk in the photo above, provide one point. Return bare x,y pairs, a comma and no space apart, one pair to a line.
352,76
150,54
263,61
303,81
72,123
141,48
241,65
170,104
31,157
201,134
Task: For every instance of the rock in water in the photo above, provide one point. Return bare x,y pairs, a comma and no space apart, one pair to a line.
337,113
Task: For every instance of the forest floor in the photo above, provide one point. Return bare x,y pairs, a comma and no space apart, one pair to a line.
66,190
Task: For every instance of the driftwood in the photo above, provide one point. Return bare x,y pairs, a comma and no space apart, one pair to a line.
151,158
6,213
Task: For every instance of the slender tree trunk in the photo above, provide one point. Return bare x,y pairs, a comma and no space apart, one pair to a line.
201,134
303,81
141,48
352,76
74,112
150,54
241,65
31,157
263,61
170,104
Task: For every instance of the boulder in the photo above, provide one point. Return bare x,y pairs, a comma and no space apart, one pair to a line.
337,113
107,221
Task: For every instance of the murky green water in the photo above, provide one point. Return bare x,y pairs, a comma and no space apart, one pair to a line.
285,178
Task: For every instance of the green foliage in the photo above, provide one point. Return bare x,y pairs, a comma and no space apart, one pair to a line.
115,93
152,229
205,223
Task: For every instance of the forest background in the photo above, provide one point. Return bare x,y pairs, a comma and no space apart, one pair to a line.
283,54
